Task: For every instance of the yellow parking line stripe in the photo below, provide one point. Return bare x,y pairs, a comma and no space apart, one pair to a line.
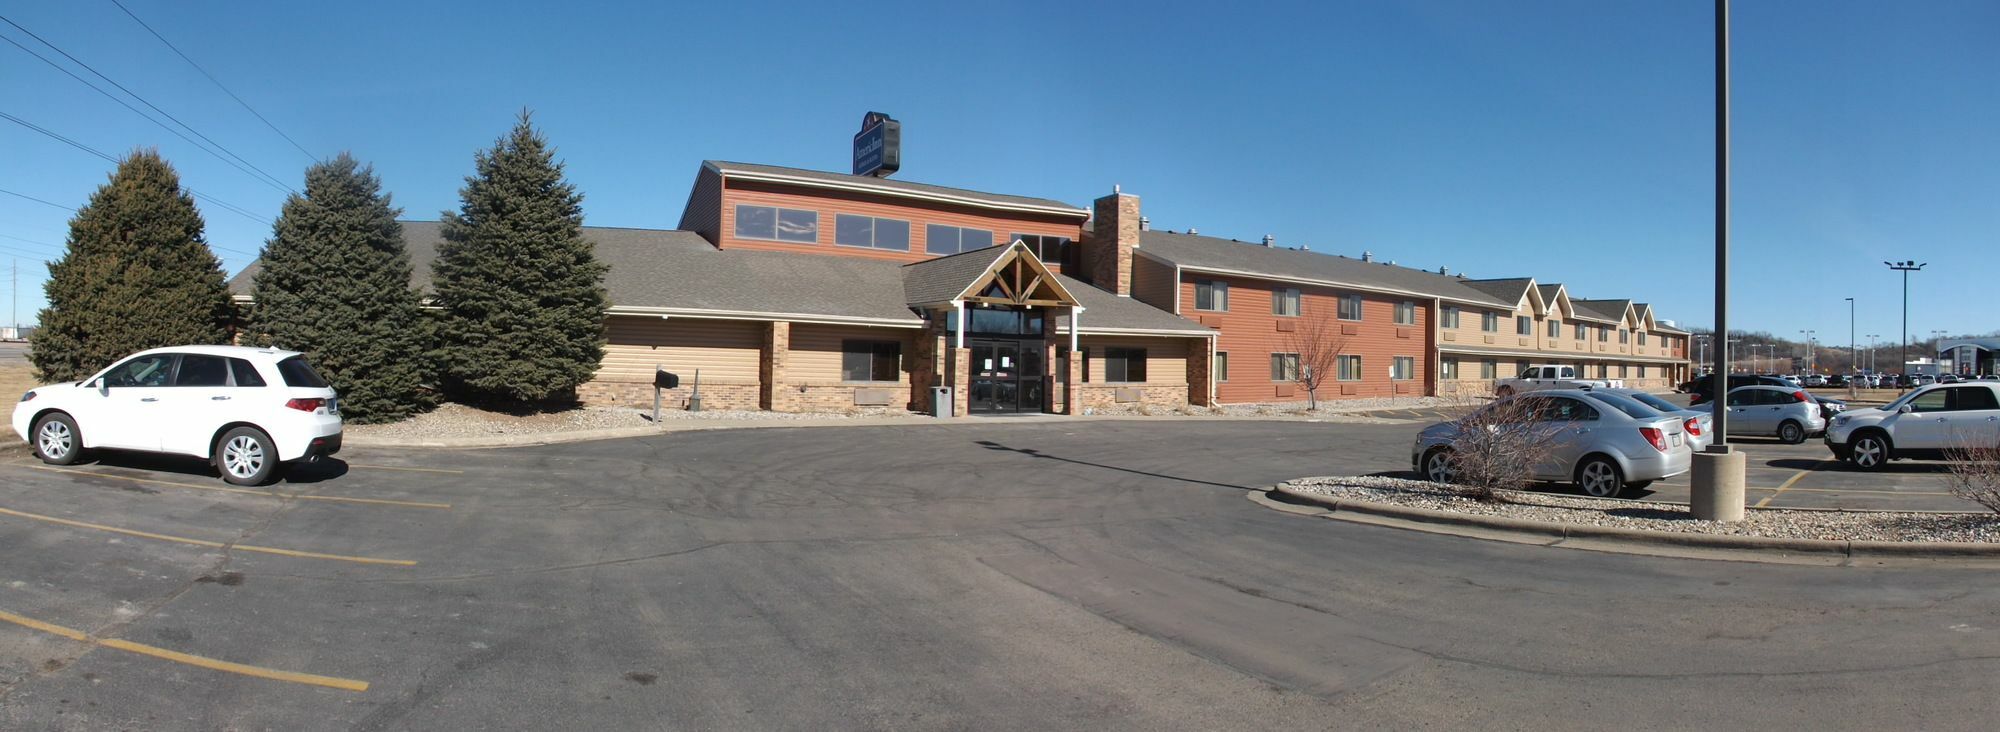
1856,490
187,658
245,491
1782,487
413,470
205,542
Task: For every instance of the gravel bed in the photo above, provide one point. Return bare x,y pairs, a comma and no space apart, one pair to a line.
1654,516
458,420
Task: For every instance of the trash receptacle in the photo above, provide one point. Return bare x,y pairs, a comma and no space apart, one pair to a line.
940,401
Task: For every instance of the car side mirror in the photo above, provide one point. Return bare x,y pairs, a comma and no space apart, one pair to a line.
1905,409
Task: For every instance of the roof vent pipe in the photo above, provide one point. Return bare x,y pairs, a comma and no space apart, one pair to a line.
1367,256
1145,224
1270,240
1192,231
1444,271
1305,247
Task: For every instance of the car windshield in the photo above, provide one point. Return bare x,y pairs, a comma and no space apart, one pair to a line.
1632,408
300,374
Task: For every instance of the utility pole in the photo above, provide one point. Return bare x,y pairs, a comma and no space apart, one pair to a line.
1853,350
1715,491
1905,267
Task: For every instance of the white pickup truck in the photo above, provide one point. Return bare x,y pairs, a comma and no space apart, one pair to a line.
1536,378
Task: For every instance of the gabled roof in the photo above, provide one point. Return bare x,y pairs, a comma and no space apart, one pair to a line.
1106,312
1223,256
1557,299
1511,289
891,187
1603,311
944,279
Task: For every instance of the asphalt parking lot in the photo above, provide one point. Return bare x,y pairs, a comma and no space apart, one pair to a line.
1031,576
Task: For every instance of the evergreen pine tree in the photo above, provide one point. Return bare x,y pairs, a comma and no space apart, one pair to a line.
522,291
335,284
136,274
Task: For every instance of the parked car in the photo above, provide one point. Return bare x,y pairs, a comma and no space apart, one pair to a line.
1837,380
1924,424
1947,378
1698,424
1828,406
1771,411
1704,389
1815,380
245,410
1604,443
1541,377
1793,380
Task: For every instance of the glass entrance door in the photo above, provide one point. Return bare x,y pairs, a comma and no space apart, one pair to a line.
1006,376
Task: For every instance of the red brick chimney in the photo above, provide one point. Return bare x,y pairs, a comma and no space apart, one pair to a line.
1107,247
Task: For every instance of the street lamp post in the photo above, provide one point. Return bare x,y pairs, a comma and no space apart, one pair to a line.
1809,348
1716,489
1905,267
1853,348
1871,352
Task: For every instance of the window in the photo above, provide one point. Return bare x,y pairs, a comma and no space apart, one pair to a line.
1555,329
151,370
1053,249
1603,334
300,374
1451,317
1973,398
1603,371
246,374
850,230
777,224
1582,331
1350,307
1402,368
870,360
940,239
1348,368
1489,368
1642,337
1564,409
1624,336
1284,367
1642,372
1524,325
1621,371
1448,369
1285,301
200,370
1125,364
1406,313
990,321
1211,295
1221,365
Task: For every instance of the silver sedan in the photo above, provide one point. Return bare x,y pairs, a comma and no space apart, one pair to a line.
1697,422
1603,443
1790,415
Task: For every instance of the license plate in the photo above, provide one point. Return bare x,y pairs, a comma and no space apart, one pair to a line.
1677,438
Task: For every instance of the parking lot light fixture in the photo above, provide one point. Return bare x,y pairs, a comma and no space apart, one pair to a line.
1903,351
1853,346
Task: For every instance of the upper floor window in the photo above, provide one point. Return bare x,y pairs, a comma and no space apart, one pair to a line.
1350,307
1406,313
1051,249
1624,336
1524,325
1603,335
1211,295
1489,321
941,240
850,230
1285,301
1555,329
1451,316
777,224
1582,331
1642,337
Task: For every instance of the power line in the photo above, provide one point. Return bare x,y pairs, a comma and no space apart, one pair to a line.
217,82
251,170
37,200
224,205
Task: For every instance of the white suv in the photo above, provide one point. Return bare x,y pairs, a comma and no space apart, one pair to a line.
1926,423
244,409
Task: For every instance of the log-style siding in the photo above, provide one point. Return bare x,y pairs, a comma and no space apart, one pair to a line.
726,351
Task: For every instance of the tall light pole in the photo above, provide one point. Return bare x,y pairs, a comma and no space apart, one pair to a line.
1853,347
1871,351
1715,492
1936,337
1809,348
1905,267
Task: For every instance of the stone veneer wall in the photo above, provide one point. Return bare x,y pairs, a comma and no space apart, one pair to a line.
1105,396
639,395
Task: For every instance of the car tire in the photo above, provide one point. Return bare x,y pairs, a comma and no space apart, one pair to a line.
57,440
1869,451
1791,432
246,456
1599,477
1437,467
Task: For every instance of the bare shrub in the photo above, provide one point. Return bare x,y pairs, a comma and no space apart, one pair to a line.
1318,344
1496,445
1973,474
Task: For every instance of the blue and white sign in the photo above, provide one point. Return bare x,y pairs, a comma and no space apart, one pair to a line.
878,147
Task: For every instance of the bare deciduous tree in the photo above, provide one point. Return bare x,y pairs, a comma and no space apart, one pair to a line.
1318,344
1973,474
1494,447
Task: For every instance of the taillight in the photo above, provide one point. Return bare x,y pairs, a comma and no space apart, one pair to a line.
1799,396
1693,426
1655,436
306,405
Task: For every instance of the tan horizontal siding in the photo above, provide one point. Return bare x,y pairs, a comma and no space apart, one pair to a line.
1166,358
726,351
816,350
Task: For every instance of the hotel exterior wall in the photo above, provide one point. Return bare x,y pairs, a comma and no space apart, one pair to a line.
812,379
725,351
1250,333
1166,385
830,203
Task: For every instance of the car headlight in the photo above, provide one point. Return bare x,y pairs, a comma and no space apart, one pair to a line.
1841,420
27,396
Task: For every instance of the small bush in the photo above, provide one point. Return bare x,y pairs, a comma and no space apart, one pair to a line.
1496,447
1974,475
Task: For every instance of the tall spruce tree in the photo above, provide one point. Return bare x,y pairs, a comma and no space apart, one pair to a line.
335,283
136,274
521,289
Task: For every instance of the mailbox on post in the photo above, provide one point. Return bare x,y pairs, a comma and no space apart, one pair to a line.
662,380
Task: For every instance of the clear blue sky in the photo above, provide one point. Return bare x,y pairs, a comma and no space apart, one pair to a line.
1568,141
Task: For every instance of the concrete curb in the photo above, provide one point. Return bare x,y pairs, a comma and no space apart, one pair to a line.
694,425
1635,541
